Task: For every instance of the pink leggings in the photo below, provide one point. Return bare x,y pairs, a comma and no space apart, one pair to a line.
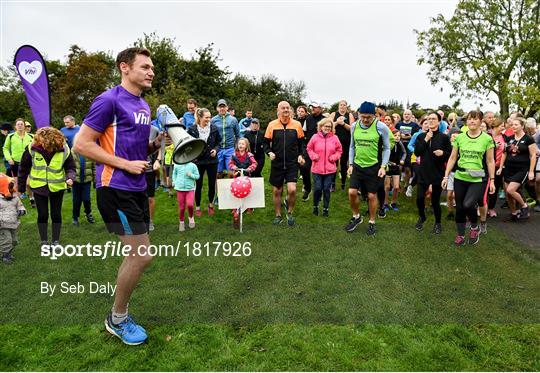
185,198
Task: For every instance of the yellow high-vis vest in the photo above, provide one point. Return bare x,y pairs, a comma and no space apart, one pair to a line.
53,174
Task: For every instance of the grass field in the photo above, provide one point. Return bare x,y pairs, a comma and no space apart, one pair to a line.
310,297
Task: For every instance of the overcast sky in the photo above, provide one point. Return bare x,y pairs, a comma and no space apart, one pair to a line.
363,50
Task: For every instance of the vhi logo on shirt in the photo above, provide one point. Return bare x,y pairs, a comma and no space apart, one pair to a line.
142,117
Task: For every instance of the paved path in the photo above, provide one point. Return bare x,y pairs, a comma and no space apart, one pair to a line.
526,232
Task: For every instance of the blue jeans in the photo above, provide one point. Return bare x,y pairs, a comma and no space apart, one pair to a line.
321,187
81,194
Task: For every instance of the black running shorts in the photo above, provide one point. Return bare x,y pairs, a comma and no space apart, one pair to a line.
124,212
279,175
365,178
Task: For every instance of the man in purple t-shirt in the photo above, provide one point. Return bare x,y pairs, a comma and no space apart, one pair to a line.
115,134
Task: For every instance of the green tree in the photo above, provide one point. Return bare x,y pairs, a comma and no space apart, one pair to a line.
13,102
204,78
168,63
87,75
487,47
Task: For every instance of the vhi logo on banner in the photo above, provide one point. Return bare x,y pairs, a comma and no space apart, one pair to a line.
35,81
30,71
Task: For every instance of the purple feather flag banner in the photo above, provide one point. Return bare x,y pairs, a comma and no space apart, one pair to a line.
33,73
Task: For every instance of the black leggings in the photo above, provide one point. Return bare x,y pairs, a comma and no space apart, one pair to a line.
381,195
530,188
211,169
305,171
436,191
413,179
42,205
343,165
492,198
258,170
468,196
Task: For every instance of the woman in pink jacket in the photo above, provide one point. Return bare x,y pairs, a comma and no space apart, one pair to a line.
324,149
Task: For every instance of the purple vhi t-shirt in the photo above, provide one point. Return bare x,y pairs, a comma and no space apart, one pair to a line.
123,120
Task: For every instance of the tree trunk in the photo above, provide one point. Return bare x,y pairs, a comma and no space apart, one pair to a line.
503,104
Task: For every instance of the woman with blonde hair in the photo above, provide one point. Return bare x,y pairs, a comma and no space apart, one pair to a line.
324,150
48,164
452,121
207,161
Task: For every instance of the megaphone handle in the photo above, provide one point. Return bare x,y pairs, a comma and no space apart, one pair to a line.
162,151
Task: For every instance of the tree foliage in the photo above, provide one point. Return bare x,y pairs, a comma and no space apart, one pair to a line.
86,76
76,82
487,46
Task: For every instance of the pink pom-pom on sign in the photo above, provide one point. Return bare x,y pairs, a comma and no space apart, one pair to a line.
241,187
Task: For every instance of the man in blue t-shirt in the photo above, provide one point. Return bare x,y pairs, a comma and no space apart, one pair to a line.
70,129
189,116
245,123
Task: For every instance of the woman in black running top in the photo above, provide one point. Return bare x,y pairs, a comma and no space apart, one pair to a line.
518,162
434,149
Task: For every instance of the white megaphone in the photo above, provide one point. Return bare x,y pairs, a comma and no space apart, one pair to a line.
186,147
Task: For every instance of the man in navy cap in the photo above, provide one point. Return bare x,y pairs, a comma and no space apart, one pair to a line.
369,153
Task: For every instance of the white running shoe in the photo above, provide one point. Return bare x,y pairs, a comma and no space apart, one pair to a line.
408,193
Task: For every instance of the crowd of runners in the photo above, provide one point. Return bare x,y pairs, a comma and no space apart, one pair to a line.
467,163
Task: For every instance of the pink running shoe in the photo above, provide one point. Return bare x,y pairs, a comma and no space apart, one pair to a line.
198,212
459,241
492,213
210,211
474,236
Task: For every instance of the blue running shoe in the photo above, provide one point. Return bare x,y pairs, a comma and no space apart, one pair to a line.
128,331
24,196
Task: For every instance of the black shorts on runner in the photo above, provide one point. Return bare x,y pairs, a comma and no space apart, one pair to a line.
515,176
150,184
278,175
124,212
365,178
393,171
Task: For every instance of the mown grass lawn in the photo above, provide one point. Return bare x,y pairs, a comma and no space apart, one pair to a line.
310,297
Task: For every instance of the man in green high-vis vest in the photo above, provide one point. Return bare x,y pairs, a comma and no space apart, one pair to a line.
368,157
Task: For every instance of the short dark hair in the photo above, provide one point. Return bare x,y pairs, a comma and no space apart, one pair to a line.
381,106
128,55
439,118
192,101
475,114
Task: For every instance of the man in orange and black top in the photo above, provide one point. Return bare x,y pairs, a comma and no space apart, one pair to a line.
284,144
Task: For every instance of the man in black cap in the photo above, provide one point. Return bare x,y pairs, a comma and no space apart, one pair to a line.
310,129
256,144
369,153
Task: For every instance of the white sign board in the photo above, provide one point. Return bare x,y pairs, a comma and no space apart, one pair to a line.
227,201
